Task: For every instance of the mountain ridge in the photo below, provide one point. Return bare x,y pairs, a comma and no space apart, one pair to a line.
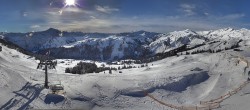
109,47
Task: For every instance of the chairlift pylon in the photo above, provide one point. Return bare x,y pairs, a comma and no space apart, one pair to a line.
54,88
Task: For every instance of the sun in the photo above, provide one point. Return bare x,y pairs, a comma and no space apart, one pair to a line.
70,2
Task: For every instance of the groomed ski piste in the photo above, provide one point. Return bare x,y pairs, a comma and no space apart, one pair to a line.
184,81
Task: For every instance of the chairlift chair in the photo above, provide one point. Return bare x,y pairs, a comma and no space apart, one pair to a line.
57,89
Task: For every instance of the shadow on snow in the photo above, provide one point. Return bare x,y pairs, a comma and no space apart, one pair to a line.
23,97
178,86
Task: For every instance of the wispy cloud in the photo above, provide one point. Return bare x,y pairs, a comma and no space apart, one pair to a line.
94,21
189,9
105,9
24,13
100,19
35,26
233,16
156,24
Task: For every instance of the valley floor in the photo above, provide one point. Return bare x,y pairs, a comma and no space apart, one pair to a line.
182,81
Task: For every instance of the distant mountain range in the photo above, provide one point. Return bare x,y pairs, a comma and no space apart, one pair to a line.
130,45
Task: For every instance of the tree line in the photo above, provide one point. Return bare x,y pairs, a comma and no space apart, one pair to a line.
83,68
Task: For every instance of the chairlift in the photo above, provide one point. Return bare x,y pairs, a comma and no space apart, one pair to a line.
54,88
57,89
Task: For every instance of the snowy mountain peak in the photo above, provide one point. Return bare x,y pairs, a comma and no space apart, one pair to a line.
189,31
183,33
227,33
229,29
52,30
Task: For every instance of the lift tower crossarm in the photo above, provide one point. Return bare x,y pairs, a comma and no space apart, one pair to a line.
46,63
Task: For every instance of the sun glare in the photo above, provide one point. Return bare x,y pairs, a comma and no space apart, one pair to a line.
70,2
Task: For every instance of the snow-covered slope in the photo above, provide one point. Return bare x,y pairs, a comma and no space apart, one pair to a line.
82,45
105,47
166,42
184,81
227,33
108,48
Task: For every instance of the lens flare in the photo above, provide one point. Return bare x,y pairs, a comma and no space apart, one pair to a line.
70,2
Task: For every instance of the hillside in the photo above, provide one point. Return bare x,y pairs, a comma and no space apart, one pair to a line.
182,81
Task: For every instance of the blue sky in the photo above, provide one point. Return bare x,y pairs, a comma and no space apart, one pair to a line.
123,15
